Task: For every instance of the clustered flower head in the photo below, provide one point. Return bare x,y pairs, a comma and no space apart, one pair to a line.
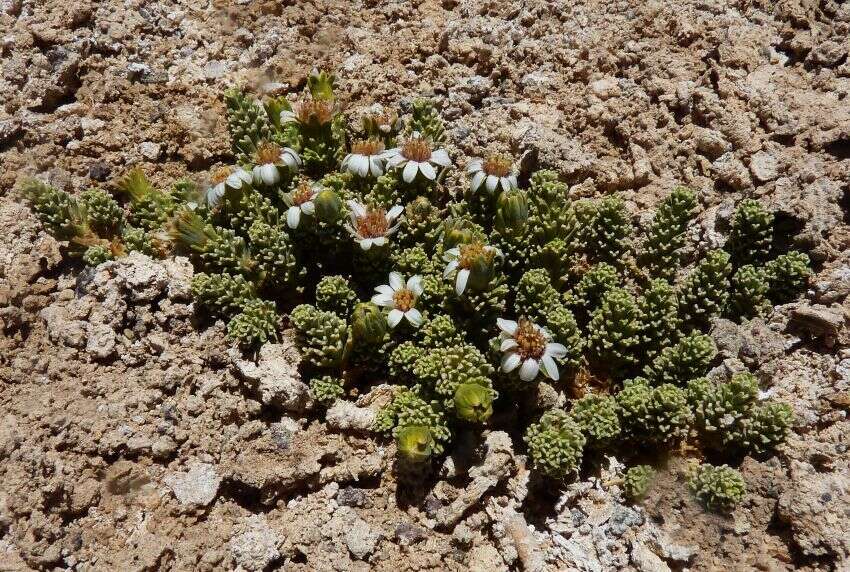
493,172
417,155
372,226
527,346
270,159
615,323
400,297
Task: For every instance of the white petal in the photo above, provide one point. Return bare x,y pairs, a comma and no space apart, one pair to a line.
510,362
382,300
428,170
380,241
558,351
385,289
452,253
492,181
549,367
441,158
474,165
351,230
506,183
410,171
376,167
414,317
394,317
477,179
507,344
450,267
360,164
507,326
396,160
393,213
414,284
513,182
287,116
358,209
462,278
269,174
293,216
529,370
396,281
344,163
366,243
308,208
234,181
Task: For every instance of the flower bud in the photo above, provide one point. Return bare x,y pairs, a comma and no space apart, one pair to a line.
328,206
321,85
369,325
473,402
456,233
511,211
415,443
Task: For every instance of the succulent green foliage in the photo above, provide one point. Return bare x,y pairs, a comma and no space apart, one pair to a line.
222,294
104,214
423,221
426,120
614,332
408,409
248,124
402,359
273,255
443,369
680,363
326,389
150,208
704,292
637,480
214,249
440,331
593,286
729,415
58,211
653,415
535,295
666,235
239,209
659,316
322,335
97,254
139,240
752,233
255,325
609,235
598,418
719,489
555,444
788,276
748,295
333,294
368,324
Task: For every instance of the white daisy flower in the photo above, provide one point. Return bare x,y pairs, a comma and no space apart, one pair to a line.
492,172
270,159
527,346
366,158
301,200
416,156
401,298
473,260
372,226
313,112
226,177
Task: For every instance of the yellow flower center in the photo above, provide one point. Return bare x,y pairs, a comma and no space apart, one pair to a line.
367,147
220,175
268,153
404,299
497,165
473,252
416,149
303,193
531,343
314,111
373,224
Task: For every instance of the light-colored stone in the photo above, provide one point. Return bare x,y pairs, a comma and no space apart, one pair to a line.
256,547
199,485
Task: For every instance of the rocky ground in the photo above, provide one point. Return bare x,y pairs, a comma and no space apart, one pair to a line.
132,438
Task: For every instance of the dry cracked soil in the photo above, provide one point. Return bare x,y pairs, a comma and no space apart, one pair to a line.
133,439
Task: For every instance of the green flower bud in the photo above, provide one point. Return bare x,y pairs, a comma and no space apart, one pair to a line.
328,206
321,85
473,402
511,211
415,443
369,325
